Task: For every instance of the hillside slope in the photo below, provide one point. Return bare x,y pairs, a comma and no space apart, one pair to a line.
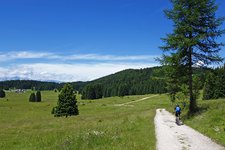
131,81
127,82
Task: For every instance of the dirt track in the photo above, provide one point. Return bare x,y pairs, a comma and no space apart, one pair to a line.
173,137
128,103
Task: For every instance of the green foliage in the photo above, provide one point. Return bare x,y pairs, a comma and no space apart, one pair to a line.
193,39
101,125
172,97
196,87
33,88
123,90
39,85
92,91
209,120
180,96
127,82
32,97
38,96
67,103
183,95
185,90
174,74
2,93
35,98
214,87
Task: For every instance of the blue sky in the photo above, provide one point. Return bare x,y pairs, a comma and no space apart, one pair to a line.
75,40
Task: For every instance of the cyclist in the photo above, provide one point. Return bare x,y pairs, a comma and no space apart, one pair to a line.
177,111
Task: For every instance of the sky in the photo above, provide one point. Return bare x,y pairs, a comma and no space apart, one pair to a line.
81,40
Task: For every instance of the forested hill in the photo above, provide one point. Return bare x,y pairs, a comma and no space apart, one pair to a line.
127,82
38,85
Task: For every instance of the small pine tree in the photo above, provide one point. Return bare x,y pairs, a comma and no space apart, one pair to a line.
38,96
67,103
32,97
2,93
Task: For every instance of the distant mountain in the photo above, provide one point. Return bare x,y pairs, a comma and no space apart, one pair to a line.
25,79
10,78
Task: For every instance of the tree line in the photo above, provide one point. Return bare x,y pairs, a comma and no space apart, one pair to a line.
127,82
165,79
38,85
214,86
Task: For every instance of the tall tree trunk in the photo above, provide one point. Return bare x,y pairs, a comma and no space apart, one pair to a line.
193,105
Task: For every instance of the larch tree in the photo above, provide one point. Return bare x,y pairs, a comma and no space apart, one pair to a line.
194,37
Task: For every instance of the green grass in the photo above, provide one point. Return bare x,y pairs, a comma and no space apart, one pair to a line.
210,120
100,125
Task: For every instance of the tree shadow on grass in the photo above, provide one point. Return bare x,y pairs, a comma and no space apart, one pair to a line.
197,112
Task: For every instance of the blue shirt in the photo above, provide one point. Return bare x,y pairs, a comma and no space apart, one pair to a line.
178,109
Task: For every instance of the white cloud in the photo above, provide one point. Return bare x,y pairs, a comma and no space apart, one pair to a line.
22,55
66,72
94,57
74,67
110,57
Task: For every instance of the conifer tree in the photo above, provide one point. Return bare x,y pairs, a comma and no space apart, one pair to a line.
123,90
208,89
215,84
67,103
32,97
194,36
2,93
38,96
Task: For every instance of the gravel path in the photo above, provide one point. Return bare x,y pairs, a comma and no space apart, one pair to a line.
170,136
127,103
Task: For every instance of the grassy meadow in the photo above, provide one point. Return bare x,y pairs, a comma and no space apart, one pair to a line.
210,120
101,123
